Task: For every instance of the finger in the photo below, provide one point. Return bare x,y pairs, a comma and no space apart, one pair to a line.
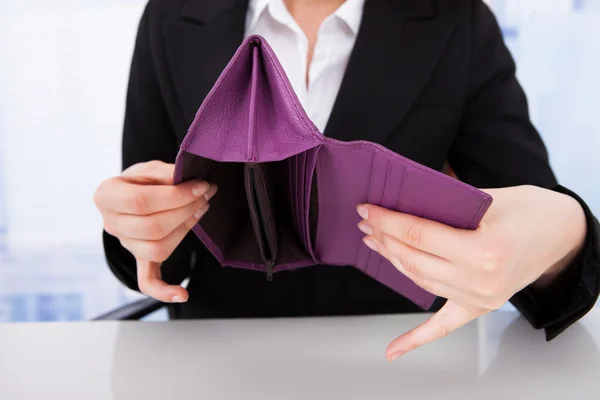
456,289
450,317
423,234
159,250
413,260
151,227
150,173
156,226
120,196
151,284
436,287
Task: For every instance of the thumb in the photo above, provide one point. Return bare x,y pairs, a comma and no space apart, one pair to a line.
150,173
448,319
151,284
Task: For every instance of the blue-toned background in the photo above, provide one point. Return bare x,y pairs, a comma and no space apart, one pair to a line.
63,74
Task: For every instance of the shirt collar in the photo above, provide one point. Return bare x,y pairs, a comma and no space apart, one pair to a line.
255,9
350,12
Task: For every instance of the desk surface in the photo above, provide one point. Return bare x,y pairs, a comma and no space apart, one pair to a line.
497,357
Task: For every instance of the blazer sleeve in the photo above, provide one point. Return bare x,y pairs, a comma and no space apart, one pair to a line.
148,134
498,146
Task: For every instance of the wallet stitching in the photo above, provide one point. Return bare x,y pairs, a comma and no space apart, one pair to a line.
385,190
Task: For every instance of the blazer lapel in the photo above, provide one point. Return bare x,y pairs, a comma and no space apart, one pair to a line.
200,45
397,48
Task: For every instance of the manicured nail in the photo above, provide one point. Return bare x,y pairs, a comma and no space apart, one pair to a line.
363,212
201,211
394,356
209,195
200,189
366,229
370,243
178,299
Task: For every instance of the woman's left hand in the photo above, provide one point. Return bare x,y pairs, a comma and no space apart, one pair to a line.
529,235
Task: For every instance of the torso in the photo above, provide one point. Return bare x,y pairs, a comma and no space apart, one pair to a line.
309,18
403,84
313,42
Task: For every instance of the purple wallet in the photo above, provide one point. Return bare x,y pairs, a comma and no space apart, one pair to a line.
287,194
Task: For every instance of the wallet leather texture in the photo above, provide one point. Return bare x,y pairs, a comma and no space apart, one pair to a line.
287,194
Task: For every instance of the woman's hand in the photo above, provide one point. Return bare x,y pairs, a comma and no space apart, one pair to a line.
529,235
150,216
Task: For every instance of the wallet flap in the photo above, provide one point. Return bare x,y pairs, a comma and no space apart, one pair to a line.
252,113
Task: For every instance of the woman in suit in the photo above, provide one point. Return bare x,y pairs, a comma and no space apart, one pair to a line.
429,79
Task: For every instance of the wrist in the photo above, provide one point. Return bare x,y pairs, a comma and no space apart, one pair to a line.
572,222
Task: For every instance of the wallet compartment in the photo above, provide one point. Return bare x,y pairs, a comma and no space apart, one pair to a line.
259,193
255,217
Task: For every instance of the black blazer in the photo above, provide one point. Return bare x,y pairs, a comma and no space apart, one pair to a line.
429,79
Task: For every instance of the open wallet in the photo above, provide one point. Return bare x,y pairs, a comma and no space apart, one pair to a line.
287,194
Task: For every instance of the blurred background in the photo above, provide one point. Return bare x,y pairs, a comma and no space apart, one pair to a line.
63,74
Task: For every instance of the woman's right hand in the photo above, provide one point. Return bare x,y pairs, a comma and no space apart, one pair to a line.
150,216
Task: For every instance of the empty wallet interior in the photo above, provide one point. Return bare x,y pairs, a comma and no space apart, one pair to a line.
261,212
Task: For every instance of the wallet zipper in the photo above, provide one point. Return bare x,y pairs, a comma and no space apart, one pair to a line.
269,263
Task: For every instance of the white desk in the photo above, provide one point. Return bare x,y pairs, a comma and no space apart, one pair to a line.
497,357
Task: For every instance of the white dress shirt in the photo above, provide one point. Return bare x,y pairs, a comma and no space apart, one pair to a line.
335,41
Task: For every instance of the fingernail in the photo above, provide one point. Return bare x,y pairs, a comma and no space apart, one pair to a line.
201,211
210,195
395,356
178,299
370,243
366,229
363,212
200,189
